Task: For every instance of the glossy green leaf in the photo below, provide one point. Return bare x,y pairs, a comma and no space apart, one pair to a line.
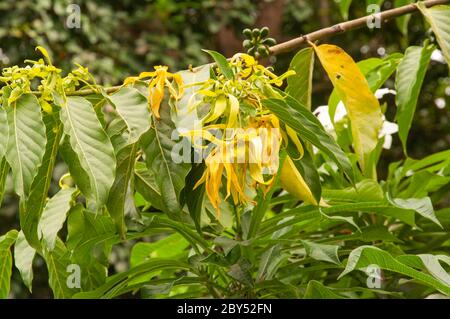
439,19
423,206
31,210
309,128
222,63
23,259
91,145
170,247
365,256
316,290
322,252
26,141
410,75
53,216
300,84
126,158
6,241
57,261
158,145
132,107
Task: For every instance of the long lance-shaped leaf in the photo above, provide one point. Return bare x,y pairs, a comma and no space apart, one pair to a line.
439,19
365,256
54,216
59,278
126,157
362,106
6,241
31,210
300,84
23,259
408,82
26,141
300,119
158,145
132,107
92,146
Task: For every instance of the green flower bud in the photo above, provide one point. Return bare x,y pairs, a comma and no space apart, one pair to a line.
264,32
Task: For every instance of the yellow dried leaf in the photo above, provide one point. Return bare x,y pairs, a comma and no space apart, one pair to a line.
293,182
362,106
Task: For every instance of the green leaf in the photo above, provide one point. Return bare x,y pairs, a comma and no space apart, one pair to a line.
322,252
158,145
309,128
112,287
410,75
430,263
31,210
57,261
422,206
145,184
365,256
439,19
132,107
54,216
270,261
23,259
4,170
170,247
316,290
91,145
367,190
375,232
26,141
6,241
195,198
126,158
402,21
344,6
300,84
3,129
222,63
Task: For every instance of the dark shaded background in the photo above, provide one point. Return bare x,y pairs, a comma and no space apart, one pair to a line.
124,37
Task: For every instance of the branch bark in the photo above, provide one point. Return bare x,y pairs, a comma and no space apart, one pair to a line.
350,25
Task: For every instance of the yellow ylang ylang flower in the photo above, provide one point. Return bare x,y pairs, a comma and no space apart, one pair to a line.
159,79
248,65
243,157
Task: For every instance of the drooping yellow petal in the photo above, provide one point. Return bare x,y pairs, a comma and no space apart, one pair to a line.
293,182
156,95
362,106
218,109
234,110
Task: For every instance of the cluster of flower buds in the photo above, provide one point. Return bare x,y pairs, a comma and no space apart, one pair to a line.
257,43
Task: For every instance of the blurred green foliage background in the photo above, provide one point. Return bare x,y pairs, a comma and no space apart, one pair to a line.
124,37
